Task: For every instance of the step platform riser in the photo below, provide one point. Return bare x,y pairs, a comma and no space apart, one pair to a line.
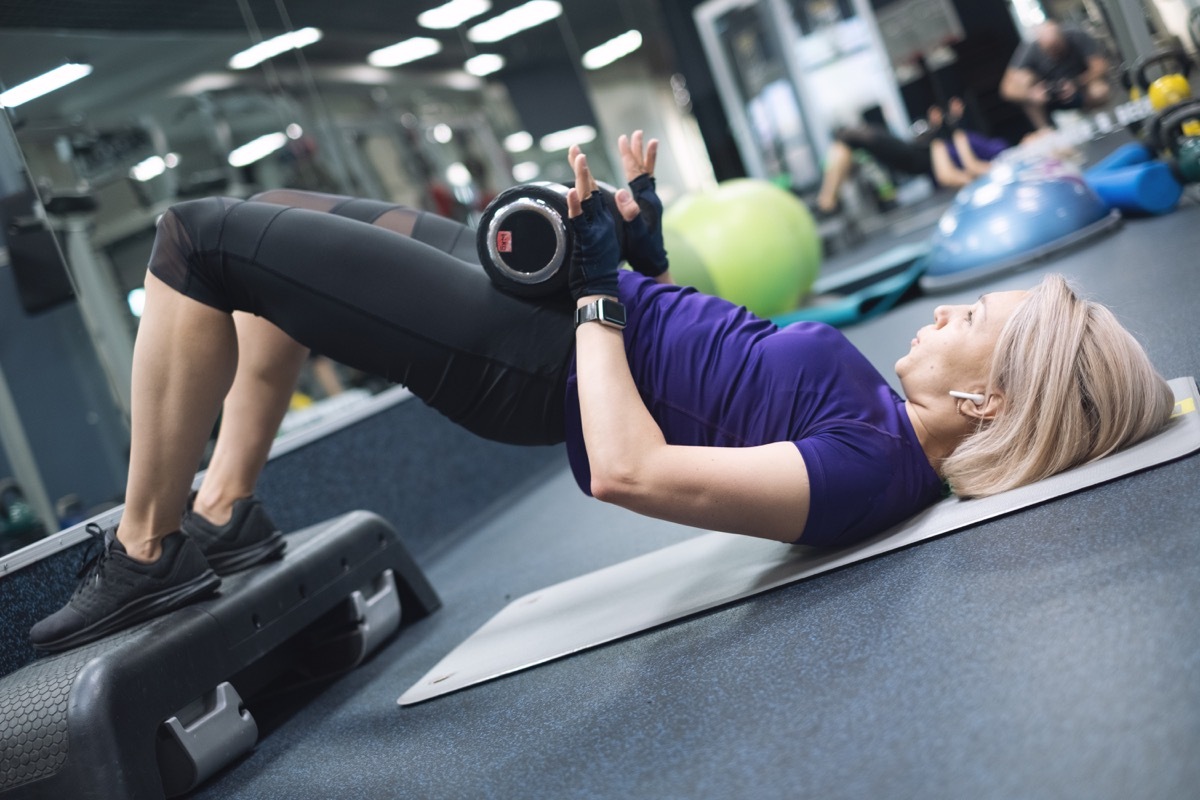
95,722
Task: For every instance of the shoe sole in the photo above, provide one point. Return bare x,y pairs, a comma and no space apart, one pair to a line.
140,610
232,561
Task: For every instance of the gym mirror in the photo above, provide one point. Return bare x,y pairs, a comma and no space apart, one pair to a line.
152,108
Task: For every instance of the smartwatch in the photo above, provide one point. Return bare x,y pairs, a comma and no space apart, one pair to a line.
606,311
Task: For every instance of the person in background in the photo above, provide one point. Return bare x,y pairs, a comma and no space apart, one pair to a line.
1062,67
950,155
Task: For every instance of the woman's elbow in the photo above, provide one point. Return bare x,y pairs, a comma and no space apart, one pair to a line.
608,490
614,483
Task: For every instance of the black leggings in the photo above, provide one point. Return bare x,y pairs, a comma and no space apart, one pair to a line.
910,158
384,289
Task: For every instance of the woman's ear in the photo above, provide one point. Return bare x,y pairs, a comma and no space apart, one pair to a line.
985,411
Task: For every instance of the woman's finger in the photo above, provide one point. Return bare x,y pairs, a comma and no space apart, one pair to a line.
628,161
627,205
574,205
583,177
651,157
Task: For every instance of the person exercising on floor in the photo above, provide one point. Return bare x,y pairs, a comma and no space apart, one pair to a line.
948,153
672,404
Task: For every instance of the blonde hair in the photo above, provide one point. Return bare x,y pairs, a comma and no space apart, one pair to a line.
1076,385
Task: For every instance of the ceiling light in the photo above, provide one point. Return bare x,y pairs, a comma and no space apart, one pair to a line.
442,133
617,47
518,142
270,48
484,64
561,140
458,174
43,84
261,147
523,17
526,171
453,14
405,52
149,169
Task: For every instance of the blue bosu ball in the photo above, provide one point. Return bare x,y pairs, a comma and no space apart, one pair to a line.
1022,210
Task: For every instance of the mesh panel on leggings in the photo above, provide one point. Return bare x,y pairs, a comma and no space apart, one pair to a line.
173,246
168,259
33,714
400,219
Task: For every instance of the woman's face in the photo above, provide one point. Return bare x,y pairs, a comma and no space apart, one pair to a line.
955,352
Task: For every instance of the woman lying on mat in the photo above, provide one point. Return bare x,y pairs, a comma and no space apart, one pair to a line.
949,154
695,412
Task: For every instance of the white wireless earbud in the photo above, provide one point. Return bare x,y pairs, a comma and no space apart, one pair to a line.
977,399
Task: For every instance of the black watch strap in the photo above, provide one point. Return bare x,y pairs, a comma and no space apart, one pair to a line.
605,310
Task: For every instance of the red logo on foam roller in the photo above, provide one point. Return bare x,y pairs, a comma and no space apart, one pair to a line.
504,241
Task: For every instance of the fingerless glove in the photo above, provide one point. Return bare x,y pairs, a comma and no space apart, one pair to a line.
644,249
596,254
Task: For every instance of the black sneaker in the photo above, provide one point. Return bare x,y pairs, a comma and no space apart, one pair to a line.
249,538
116,591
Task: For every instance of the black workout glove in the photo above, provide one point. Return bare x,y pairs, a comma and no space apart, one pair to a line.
596,255
644,248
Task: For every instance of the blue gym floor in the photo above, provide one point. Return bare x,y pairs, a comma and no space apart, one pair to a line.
1054,653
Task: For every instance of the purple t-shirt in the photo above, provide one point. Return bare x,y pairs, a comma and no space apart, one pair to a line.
985,148
713,374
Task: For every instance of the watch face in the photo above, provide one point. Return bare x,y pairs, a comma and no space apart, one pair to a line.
613,312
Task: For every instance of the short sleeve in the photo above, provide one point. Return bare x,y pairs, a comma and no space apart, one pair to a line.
851,470
1084,44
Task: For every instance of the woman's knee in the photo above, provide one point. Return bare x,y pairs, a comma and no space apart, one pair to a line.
184,231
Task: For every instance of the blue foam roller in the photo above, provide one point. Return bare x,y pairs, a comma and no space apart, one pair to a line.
1124,156
1148,188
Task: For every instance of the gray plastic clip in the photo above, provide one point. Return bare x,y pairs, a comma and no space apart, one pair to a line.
202,737
378,615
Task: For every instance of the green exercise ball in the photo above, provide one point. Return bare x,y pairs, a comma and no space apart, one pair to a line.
748,241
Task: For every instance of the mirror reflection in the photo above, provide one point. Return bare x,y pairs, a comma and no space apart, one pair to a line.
110,118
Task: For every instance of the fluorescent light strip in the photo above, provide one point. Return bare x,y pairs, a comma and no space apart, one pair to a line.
484,64
526,171
518,142
521,18
270,48
615,48
44,84
404,52
261,147
561,140
453,14
149,169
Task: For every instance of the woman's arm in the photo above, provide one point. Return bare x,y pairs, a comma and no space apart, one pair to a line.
758,491
971,162
945,171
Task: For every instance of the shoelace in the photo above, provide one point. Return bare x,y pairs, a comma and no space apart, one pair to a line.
94,558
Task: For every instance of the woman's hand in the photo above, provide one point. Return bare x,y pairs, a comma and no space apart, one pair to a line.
639,207
596,255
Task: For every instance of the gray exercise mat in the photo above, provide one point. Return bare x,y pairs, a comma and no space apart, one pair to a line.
714,569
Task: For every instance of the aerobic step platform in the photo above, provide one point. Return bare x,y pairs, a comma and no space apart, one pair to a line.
153,711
